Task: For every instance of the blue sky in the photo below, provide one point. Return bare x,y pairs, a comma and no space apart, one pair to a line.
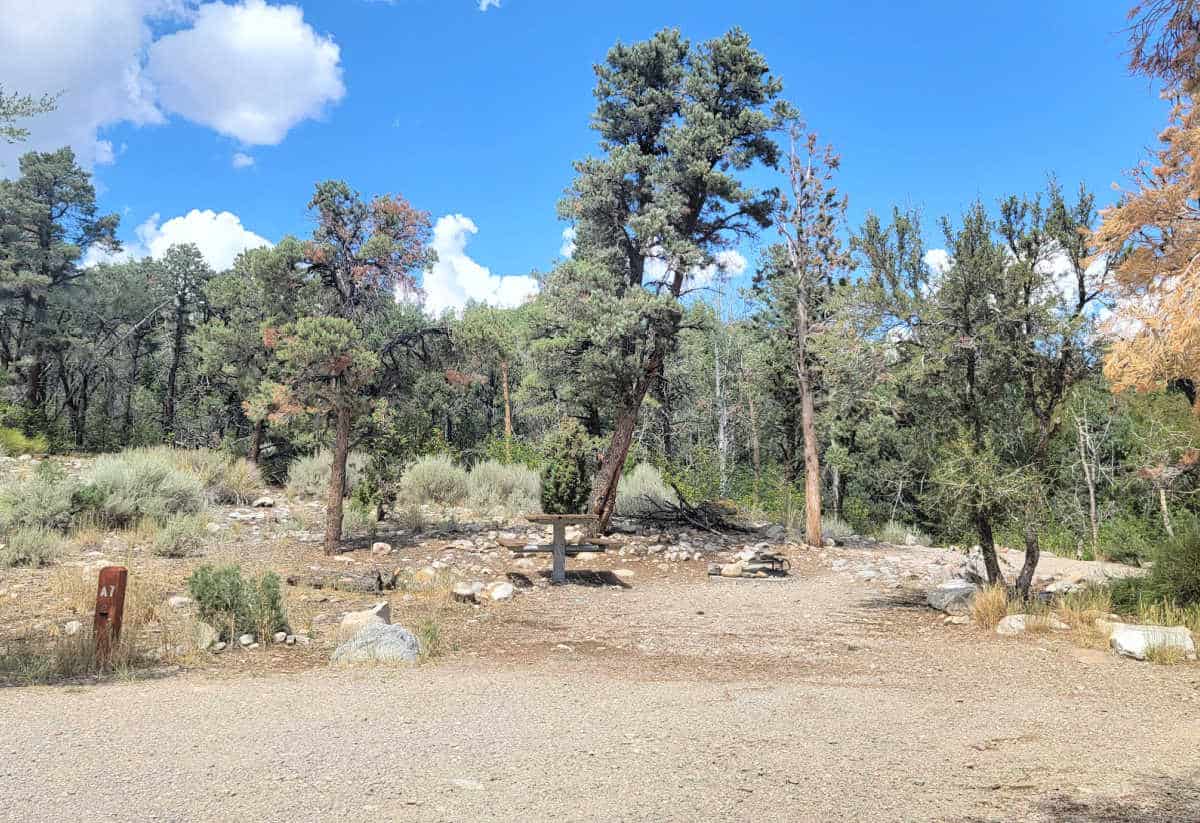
930,104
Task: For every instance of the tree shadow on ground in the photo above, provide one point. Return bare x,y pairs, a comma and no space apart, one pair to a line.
1161,800
593,579
899,599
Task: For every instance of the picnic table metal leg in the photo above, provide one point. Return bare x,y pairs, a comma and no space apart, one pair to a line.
558,573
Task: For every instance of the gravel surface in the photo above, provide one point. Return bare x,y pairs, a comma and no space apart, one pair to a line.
818,698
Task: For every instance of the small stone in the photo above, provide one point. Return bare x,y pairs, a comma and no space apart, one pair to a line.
425,576
463,593
952,597
280,637
179,601
381,548
72,628
213,528
957,620
219,646
246,640
263,503
290,640
354,622
623,572
501,591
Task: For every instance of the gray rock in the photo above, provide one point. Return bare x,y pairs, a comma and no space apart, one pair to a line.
219,646
262,503
204,635
379,643
775,532
72,628
952,597
463,593
1137,641
1015,624
381,548
246,640
280,637
501,591
179,601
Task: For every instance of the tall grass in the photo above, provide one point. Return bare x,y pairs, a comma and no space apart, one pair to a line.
434,479
512,487
643,491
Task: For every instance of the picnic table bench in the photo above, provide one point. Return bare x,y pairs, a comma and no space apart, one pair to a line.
559,547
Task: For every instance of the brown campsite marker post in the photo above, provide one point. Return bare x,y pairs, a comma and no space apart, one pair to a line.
110,610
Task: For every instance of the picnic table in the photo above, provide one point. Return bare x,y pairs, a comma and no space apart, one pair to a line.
558,545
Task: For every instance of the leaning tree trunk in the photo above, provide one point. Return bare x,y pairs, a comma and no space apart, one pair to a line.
604,487
1033,553
987,545
337,481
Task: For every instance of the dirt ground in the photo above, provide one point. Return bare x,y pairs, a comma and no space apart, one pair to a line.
657,695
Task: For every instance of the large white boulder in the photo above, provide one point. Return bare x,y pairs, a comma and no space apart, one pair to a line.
952,597
1137,641
354,622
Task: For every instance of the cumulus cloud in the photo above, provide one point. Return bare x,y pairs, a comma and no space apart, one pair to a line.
249,71
220,236
87,50
484,5
241,160
938,261
568,242
728,263
456,278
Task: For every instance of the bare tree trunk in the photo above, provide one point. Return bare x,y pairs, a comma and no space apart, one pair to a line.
755,453
1033,553
173,371
1089,479
337,482
508,430
1166,515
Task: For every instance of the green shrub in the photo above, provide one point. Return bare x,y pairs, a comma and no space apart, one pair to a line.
518,450
835,528
642,492
43,501
31,546
359,517
512,487
567,476
140,483
225,478
181,536
900,534
309,476
434,479
234,605
14,443
1129,538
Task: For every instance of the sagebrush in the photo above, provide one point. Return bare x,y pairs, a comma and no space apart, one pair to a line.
513,487
434,479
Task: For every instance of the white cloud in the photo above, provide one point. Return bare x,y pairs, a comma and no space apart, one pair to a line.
484,5
456,278
250,71
729,263
241,160
938,261
89,50
568,242
220,236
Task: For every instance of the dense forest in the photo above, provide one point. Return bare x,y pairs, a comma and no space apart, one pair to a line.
1023,373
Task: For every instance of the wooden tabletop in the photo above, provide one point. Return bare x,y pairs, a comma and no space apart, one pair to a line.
568,519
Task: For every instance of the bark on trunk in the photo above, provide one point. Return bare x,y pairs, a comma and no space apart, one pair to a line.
337,482
1032,554
508,429
173,376
812,464
604,486
987,545
256,440
755,453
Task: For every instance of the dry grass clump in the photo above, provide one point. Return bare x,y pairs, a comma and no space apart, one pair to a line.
31,546
990,606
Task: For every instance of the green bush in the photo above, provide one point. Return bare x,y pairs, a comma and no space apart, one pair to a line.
233,604
1174,577
512,487
226,479
1129,538
434,479
835,528
44,501
124,488
359,517
643,491
309,476
518,450
900,534
181,536
567,476
31,546
14,443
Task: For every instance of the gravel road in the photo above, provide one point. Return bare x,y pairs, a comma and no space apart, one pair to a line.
813,699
